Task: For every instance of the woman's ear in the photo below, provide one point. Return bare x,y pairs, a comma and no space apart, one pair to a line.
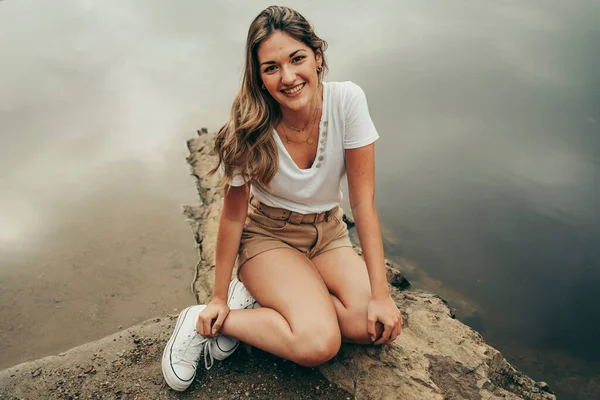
319,58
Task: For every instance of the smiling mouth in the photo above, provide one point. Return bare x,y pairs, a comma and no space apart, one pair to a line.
295,89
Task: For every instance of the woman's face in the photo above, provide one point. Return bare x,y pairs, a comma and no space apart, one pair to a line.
288,69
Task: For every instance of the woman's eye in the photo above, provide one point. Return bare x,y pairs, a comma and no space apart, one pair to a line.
270,68
298,58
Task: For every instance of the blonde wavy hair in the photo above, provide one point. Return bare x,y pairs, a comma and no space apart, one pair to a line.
245,143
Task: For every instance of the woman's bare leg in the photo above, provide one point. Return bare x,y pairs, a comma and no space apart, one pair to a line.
345,275
297,320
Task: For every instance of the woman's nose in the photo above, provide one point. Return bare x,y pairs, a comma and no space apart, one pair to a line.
287,75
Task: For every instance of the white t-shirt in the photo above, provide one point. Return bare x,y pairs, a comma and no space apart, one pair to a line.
345,124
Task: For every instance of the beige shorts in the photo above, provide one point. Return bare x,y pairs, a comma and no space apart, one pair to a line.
270,228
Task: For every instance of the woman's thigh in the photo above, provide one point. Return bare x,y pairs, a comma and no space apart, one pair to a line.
285,280
346,277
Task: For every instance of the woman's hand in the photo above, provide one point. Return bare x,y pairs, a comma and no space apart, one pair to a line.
384,310
216,311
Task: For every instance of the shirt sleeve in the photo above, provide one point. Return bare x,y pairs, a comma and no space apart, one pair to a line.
238,177
359,128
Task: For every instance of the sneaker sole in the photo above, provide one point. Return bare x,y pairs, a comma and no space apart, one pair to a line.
220,353
166,358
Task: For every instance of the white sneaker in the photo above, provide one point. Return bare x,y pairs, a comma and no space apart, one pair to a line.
183,350
238,298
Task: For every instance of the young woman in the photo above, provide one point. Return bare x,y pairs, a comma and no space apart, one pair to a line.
290,140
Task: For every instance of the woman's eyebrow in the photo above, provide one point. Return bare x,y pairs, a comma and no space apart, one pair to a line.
292,54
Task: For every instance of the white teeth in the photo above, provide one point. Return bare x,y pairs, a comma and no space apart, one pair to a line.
294,89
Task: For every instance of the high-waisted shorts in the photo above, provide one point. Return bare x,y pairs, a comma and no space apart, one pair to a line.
268,228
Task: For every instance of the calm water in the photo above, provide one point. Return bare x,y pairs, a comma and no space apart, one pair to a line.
488,165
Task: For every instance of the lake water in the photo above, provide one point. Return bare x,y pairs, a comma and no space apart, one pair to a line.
488,165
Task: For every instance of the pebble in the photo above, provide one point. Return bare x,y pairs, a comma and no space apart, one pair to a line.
543,385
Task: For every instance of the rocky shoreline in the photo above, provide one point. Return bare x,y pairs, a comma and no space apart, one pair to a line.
436,357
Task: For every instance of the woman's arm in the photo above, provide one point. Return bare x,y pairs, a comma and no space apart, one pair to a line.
231,225
360,167
361,187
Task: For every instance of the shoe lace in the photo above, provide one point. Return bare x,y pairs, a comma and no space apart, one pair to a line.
208,356
202,345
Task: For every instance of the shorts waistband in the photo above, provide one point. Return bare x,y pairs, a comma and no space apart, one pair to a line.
292,217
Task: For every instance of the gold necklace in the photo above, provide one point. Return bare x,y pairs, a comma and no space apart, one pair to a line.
309,140
304,127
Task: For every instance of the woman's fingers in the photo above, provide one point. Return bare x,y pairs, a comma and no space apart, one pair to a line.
206,325
397,329
387,331
395,333
200,325
211,319
218,323
204,321
371,328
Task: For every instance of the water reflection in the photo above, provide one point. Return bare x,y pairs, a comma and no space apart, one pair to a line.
488,164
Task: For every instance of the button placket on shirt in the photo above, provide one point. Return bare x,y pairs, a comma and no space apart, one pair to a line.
322,143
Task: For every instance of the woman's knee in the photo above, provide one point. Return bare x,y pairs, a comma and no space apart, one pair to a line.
314,347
